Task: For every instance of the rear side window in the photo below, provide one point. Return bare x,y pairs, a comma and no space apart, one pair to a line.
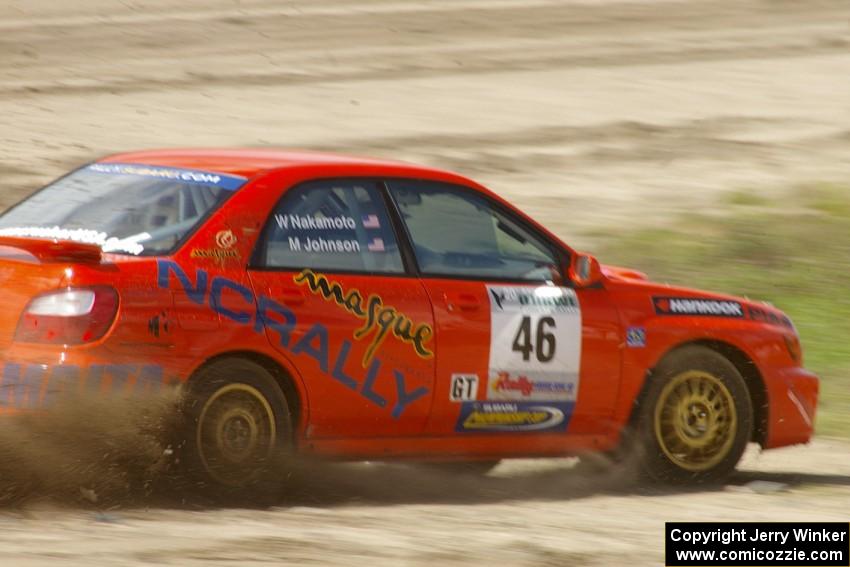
456,232
332,226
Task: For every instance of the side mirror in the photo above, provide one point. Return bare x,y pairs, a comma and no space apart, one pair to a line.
585,270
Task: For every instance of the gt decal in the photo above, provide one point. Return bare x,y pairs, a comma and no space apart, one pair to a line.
267,313
514,417
535,343
464,387
380,318
697,306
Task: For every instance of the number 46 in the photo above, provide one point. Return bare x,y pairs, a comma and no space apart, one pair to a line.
544,343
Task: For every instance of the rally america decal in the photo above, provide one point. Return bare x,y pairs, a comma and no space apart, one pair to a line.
705,307
535,355
514,417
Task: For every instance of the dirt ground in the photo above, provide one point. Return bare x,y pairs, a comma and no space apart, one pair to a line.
525,513
590,114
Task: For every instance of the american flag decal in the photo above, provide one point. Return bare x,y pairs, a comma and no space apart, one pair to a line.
371,221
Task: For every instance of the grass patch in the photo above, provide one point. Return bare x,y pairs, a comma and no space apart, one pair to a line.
747,198
794,253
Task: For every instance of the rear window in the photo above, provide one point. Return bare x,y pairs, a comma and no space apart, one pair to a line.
125,208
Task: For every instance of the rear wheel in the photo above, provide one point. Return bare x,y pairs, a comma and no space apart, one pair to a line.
238,424
696,418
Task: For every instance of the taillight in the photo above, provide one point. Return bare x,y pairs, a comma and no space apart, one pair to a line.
71,316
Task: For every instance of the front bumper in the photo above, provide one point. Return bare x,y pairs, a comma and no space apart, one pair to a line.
792,395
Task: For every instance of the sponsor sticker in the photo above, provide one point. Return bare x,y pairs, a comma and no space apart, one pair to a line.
30,385
541,299
513,417
213,253
698,306
507,387
379,320
464,388
226,182
636,337
129,245
225,239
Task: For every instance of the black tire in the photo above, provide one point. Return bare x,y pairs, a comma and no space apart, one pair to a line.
237,428
695,419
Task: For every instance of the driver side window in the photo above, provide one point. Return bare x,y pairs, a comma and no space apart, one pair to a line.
456,232
335,226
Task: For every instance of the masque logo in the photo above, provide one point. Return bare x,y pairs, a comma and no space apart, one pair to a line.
377,318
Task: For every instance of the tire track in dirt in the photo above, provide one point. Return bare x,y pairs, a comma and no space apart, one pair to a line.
445,40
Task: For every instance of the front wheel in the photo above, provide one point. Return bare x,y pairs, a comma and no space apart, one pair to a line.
696,418
238,424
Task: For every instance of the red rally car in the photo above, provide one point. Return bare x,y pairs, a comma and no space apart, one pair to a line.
367,309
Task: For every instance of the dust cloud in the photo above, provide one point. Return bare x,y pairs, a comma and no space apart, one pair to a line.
98,451
125,452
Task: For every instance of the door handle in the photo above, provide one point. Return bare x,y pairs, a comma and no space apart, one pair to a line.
462,302
290,296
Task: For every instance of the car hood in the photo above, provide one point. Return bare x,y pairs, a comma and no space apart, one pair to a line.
667,299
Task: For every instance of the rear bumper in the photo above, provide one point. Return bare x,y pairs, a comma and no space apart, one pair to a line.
792,400
31,377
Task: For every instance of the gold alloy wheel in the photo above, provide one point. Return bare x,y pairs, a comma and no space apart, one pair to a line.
236,433
695,420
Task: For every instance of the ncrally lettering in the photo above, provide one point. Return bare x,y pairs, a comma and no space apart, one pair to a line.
266,313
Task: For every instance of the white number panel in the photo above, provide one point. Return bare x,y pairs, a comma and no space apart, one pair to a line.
535,343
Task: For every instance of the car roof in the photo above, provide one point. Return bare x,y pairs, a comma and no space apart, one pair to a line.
249,162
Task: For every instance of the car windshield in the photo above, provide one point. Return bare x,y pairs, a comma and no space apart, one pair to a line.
124,208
